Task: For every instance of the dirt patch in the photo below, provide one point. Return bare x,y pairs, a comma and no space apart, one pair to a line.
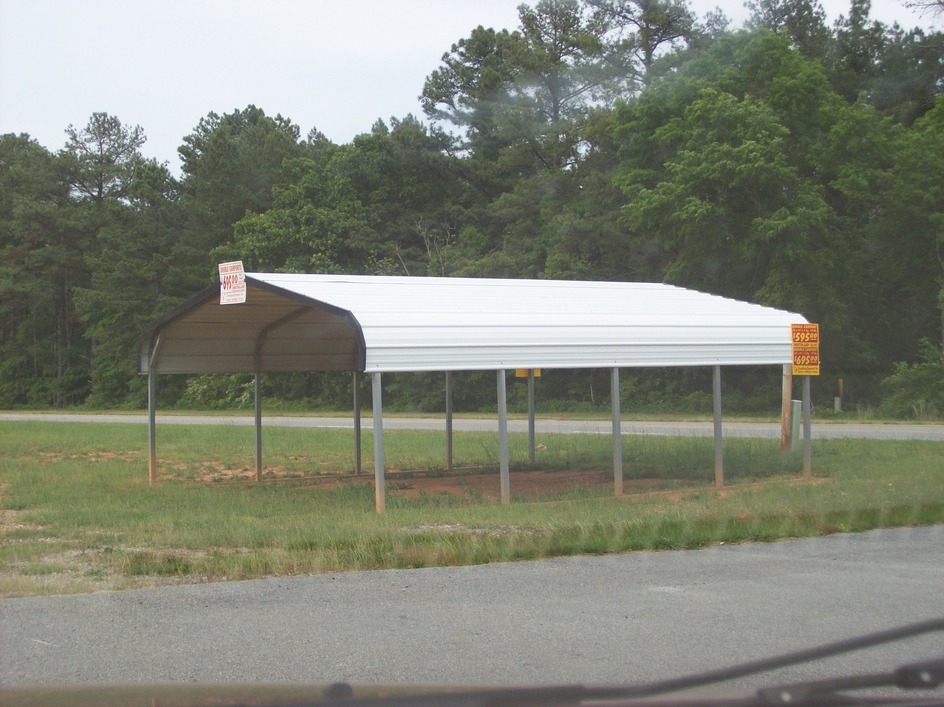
524,484
461,483
104,455
469,484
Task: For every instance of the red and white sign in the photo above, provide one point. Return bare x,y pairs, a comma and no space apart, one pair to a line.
232,283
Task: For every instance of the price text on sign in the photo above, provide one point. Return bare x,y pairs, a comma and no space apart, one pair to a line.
232,283
805,333
805,339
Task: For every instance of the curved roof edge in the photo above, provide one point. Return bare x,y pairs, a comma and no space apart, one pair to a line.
380,323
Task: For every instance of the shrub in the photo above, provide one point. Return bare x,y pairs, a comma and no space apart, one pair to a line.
916,390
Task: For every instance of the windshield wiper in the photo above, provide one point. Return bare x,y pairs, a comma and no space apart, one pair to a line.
923,675
918,676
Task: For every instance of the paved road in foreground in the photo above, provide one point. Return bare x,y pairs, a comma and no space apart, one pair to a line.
635,427
606,619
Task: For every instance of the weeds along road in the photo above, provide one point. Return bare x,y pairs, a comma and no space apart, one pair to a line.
612,619
771,430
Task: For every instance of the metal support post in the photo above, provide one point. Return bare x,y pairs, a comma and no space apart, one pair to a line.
719,447
531,416
503,439
617,432
358,464
807,429
152,423
449,420
378,443
258,419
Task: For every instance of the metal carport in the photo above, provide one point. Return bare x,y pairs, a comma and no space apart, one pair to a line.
372,324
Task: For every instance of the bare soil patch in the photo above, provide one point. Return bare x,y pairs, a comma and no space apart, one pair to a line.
460,483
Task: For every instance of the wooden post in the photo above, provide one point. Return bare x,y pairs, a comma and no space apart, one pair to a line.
786,410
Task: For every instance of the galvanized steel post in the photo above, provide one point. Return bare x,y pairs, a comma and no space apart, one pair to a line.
617,432
378,443
807,429
258,419
357,422
531,416
152,435
503,439
449,420
719,445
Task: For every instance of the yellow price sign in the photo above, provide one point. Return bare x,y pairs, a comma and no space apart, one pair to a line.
805,338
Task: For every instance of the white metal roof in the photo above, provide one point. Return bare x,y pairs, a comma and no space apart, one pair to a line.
345,322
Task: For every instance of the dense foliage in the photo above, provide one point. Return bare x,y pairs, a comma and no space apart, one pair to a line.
788,163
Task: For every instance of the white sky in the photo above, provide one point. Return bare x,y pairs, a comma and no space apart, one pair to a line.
164,64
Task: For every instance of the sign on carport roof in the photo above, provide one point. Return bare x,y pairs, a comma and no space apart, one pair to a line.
232,283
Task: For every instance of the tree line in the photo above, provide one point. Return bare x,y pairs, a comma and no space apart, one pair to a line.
789,162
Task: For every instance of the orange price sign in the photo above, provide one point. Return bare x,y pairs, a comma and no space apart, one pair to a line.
805,338
805,333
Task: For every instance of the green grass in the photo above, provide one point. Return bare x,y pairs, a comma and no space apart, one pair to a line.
77,514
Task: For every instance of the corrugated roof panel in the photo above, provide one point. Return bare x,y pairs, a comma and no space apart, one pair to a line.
462,324
341,322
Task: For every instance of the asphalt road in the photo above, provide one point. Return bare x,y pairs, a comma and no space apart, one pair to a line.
635,427
608,619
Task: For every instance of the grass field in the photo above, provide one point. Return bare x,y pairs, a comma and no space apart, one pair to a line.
77,514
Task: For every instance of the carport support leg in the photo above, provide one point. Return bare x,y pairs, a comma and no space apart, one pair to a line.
258,414
719,447
503,439
152,441
449,420
531,416
357,422
378,443
807,430
617,433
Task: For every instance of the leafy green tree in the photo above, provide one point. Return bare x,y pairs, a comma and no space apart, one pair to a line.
731,174
916,390
731,197
140,268
909,77
642,31
390,201
102,158
43,357
414,190
802,21
913,219
230,164
519,96
308,227
857,50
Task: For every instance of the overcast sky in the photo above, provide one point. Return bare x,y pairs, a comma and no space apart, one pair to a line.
164,64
